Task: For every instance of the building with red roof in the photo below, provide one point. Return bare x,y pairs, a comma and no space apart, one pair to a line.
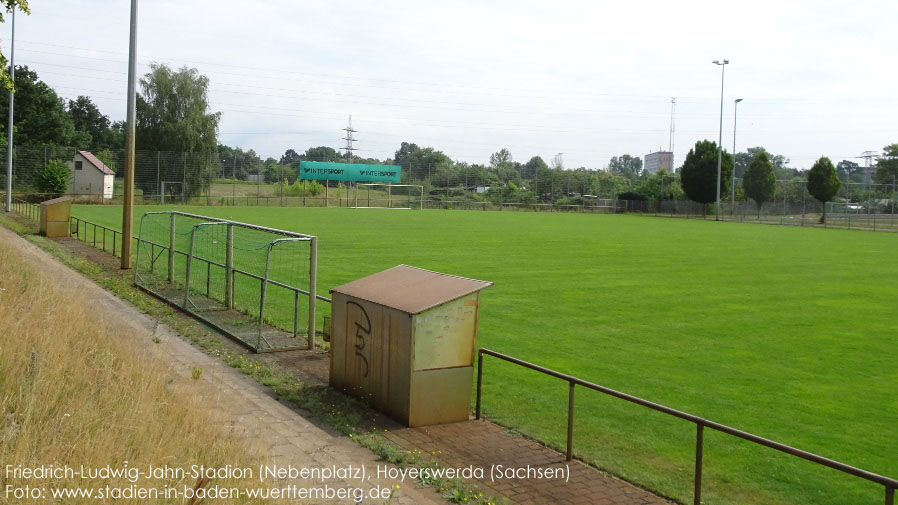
90,176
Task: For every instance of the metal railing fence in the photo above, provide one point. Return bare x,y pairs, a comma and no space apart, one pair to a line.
27,209
86,231
700,423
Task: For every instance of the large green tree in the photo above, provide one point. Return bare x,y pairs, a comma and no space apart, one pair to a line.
40,115
500,158
321,153
5,82
92,124
533,166
698,176
759,181
823,183
887,165
660,186
404,153
743,160
847,168
290,157
237,163
626,165
173,115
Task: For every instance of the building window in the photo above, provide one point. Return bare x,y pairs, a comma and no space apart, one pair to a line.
78,165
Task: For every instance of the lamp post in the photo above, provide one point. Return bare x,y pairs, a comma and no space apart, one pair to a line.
733,195
12,77
720,137
130,129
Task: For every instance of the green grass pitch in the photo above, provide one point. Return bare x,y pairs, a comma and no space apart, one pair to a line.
788,333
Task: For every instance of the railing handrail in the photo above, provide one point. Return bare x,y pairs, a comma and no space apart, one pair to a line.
85,221
135,237
890,484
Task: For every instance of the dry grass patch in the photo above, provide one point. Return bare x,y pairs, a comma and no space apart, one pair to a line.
72,394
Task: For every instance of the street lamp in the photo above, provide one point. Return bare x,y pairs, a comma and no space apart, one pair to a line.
733,196
12,78
720,137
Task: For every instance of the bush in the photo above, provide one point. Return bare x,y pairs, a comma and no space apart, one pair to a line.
303,188
632,195
54,179
569,200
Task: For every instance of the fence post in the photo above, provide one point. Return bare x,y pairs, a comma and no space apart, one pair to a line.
479,384
890,495
295,314
264,291
229,267
184,181
699,449
189,262
570,422
171,249
159,181
313,279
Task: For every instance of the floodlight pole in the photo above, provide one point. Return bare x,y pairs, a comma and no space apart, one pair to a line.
12,77
733,195
128,200
720,138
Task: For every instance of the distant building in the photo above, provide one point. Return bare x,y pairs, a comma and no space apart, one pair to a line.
661,160
90,176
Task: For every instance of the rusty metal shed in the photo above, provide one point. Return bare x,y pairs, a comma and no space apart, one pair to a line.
54,218
403,340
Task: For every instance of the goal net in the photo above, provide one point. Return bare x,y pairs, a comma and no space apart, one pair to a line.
388,196
253,283
172,191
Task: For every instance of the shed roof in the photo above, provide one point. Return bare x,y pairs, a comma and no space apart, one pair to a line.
93,160
410,289
57,200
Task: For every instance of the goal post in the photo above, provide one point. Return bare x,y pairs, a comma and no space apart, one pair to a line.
379,195
172,188
253,283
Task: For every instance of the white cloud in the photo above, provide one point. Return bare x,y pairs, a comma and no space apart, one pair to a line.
590,79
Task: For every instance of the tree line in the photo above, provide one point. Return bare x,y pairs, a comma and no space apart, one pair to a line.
173,114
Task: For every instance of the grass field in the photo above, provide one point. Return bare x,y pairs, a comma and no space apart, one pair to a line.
785,332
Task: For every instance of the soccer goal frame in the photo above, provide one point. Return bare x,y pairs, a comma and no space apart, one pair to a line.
163,185
364,200
244,280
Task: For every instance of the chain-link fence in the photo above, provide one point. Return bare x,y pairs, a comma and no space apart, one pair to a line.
208,179
856,206
245,180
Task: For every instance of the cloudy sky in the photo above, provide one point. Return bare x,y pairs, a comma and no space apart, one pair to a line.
588,79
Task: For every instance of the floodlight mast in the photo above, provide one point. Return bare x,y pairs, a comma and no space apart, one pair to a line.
720,137
733,195
128,197
12,77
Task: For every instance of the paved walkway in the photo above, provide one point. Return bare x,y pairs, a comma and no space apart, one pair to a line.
250,412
